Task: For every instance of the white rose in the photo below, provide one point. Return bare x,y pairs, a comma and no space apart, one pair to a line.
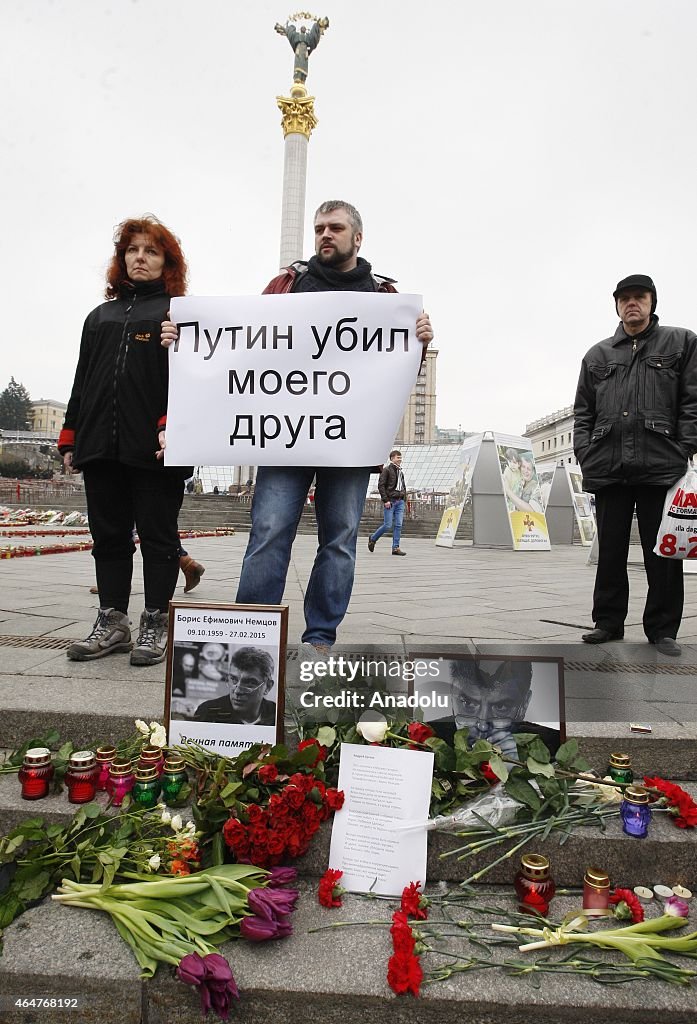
142,727
373,728
158,737
176,823
154,862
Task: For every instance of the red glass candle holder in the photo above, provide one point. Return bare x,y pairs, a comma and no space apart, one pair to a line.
36,773
534,885
596,891
82,776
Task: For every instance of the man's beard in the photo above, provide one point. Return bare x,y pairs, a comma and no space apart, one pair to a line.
334,256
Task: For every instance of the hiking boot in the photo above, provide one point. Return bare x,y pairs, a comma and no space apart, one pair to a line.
151,645
111,633
193,571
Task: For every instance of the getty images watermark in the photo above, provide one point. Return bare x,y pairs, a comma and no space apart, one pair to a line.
346,670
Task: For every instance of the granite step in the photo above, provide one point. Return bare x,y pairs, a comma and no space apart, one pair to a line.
90,702
336,975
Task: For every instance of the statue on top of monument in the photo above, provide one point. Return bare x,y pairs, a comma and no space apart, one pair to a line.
302,41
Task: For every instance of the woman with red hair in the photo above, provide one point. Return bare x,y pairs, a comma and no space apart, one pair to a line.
114,433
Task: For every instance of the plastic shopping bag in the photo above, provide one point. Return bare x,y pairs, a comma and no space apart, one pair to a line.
677,534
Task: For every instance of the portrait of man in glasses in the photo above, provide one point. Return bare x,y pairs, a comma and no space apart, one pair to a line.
490,699
249,675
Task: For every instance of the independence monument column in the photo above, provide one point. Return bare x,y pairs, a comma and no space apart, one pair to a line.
298,121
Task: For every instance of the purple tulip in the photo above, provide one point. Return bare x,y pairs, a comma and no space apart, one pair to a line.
677,907
191,969
212,975
281,876
271,903
258,929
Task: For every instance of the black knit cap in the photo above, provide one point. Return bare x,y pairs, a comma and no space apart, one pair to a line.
642,281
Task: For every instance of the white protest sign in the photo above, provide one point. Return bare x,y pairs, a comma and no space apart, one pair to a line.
290,380
379,835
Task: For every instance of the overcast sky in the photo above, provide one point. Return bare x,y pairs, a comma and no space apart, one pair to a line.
512,160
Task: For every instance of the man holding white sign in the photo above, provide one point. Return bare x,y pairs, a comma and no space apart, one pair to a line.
328,455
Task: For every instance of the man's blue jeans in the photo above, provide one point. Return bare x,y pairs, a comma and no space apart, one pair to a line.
394,517
279,498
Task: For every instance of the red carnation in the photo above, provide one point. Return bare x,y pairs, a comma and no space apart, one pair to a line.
404,974
414,902
679,803
403,939
632,907
321,750
419,732
329,893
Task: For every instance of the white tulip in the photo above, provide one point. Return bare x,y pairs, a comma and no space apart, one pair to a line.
142,727
373,729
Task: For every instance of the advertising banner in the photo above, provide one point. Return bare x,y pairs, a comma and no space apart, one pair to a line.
523,494
460,492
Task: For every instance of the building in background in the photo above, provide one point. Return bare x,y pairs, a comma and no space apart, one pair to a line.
47,417
551,438
450,435
418,424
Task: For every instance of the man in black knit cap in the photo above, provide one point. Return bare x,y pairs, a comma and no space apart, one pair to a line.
635,427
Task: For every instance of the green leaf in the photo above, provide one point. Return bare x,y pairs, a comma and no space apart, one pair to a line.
521,790
326,736
10,846
35,887
445,756
232,787
567,752
539,751
498,767
538,768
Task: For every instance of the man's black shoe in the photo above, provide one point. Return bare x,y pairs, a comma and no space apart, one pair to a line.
601,636
371,544
667,645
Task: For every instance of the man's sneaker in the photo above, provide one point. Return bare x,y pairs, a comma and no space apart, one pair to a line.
313,652
151,645
193,571
111,633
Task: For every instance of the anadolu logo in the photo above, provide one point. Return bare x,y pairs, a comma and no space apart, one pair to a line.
683,505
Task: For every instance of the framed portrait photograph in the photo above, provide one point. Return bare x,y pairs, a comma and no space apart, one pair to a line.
492,696
225,680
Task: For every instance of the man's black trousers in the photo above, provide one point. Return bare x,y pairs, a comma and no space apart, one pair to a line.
614,507
119,496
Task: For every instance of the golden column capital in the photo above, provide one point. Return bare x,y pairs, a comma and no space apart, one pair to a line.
298,112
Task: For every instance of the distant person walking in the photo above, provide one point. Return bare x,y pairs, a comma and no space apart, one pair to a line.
393,492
